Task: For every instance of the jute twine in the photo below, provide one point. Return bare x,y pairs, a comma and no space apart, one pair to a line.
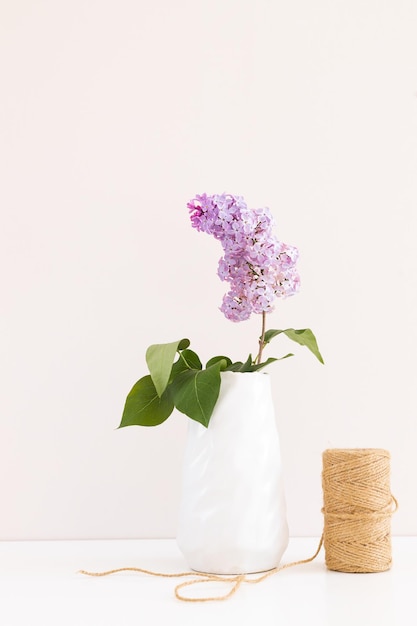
357,513
358,505
202,577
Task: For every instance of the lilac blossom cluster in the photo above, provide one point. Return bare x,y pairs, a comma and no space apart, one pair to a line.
258,267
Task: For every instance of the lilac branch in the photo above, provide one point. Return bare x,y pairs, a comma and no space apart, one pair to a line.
262,343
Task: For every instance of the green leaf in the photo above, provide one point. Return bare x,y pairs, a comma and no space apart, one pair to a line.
160,358
183,344
216,359
304,337
259,366
256,368
234,367
191,360
238,366
144,407
247,367
195,392
187,360
178,367
281,358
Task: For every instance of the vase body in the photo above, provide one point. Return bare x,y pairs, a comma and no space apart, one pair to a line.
232,514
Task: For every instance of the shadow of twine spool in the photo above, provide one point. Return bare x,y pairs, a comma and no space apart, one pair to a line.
358,506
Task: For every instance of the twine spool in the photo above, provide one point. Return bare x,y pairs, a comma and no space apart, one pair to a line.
357,509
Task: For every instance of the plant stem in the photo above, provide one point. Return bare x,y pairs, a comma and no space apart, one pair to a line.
261,339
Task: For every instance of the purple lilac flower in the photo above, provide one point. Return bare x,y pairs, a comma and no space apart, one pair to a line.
258,267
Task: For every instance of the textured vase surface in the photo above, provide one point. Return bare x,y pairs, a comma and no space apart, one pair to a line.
233,515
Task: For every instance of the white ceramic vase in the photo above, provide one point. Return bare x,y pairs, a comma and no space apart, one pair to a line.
233,515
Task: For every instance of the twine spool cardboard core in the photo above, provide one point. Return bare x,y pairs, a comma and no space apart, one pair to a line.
357,509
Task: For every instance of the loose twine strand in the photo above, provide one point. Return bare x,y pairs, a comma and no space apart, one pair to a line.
358,506
207,578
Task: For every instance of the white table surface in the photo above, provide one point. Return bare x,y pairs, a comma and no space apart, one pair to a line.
40,584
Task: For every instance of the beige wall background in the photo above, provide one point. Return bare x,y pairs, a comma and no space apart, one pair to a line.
113,115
